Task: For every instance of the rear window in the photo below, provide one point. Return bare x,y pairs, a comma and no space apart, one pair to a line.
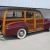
1,14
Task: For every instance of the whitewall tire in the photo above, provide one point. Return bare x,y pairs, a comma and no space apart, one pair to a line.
21,33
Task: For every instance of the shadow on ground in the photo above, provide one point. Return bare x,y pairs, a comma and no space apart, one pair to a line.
14,37
34,33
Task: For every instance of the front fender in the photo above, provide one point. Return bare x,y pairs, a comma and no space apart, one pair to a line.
46,23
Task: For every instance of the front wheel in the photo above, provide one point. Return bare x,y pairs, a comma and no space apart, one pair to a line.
21,33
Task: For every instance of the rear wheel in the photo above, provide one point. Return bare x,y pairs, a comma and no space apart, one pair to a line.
21,33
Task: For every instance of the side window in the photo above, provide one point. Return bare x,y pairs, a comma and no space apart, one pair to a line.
19,14
29,14
38,14
10,14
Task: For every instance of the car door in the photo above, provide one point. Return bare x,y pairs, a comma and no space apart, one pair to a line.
39,21
30,20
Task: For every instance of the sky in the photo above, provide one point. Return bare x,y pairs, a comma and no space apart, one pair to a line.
26,3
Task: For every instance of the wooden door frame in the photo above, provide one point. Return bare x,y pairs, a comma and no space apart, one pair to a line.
36,23
4,21
31,18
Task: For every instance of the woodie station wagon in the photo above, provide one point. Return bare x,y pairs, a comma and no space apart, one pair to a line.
19,21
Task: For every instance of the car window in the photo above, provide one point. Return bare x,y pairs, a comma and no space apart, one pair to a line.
19,14
37,14
1,13
29,14
10,14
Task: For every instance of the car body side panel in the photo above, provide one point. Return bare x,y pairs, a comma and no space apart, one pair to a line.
12,28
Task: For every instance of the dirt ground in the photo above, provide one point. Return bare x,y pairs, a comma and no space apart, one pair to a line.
33,41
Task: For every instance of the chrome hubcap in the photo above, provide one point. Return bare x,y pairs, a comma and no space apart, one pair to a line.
21,33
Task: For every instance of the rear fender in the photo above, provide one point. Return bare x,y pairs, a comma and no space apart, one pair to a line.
17,25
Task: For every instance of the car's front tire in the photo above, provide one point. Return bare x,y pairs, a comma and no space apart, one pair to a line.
21,33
